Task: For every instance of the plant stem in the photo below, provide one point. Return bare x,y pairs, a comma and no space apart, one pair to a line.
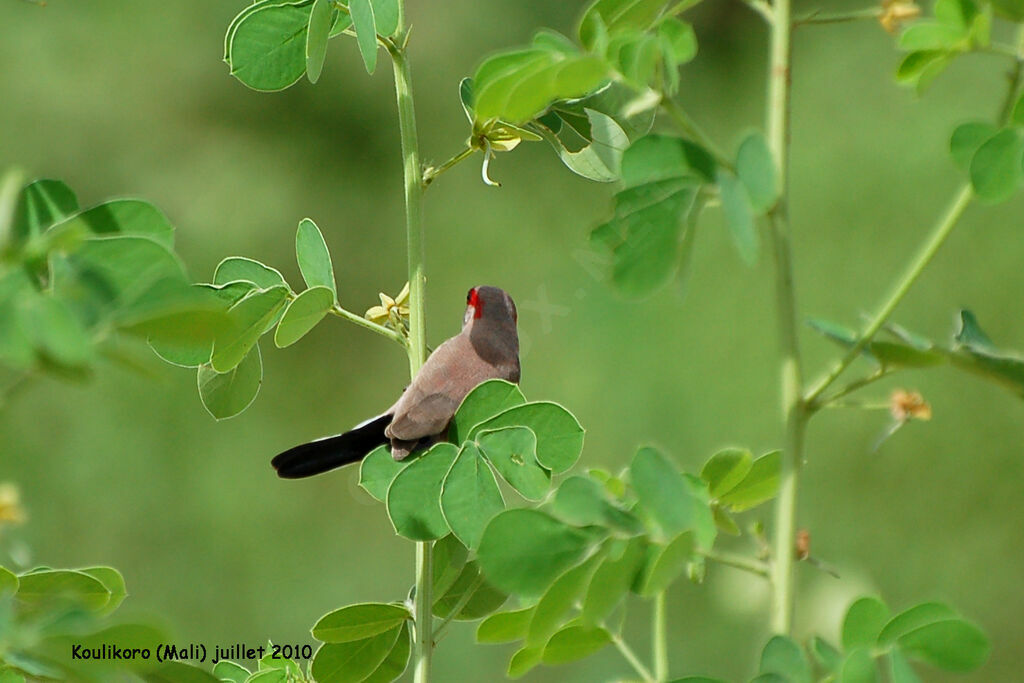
924,256
431,173
793,412
928,250
738,562
839,18
660,639
634,661
462,602
689,127
423,641
368,324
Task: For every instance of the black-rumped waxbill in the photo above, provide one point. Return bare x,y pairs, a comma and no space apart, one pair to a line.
486,348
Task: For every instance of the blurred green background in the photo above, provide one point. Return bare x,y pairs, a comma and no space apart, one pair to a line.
131,98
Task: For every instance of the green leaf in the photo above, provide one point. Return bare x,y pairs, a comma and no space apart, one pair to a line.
239,268
321,18
581,501
56,331
356,622
269,676
826,654
227,670
524,660
858,667
952,644
189,341
573,643
933,35
397,660
662,492
739,216
505,627
863,623
113,581
8,582
966,140
267,49
900,668
601,159
996,167
976,354
516,86
120,217
915,617
470,496
755,168
522,550
414,498
612,581
784,657
178,672
921,67
10,676
302,315
313,257
725,470
385,16
250,318
679,40
618,16
512,452
41,204
484,598
665,563
559,434
39,589
485,401
378,470
659,157
366,32
226,394
449,559
759,486
558,599
354,661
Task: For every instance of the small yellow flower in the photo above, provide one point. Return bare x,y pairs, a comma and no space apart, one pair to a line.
909,405
11,511
897,12
391,311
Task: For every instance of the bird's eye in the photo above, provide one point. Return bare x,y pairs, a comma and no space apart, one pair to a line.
469,296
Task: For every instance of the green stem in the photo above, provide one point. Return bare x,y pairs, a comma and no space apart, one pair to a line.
738,562
660,639
839,18
924,256
634,661
431,173
794,416
928,250
459,605
830,401
423,641
689,127
368,324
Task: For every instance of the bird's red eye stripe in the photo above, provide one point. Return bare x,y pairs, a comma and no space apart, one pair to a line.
473,299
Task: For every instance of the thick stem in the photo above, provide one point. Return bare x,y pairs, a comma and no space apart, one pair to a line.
793,413
423,642
659,637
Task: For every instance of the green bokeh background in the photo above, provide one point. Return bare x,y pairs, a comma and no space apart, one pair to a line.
131,98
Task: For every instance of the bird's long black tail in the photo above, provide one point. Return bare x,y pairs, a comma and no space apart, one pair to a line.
331,451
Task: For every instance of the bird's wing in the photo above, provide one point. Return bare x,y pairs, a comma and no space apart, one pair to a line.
427,406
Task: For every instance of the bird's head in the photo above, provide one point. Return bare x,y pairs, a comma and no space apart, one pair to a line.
489,304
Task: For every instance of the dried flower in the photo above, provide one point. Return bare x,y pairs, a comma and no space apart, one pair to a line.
803,544
896,12
11,511
909,405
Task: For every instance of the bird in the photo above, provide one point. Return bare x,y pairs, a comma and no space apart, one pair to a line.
486,348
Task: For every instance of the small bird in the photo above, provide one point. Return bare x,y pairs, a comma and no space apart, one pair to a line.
487,348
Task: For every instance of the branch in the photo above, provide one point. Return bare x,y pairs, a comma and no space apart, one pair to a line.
689,127
368,324
634,661
431,173
756,567
817,17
